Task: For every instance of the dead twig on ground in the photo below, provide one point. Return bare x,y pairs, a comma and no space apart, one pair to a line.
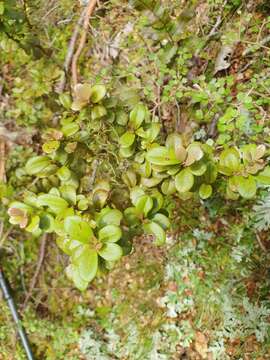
89,10
41,256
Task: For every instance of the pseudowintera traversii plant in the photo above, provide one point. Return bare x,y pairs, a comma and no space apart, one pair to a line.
89,227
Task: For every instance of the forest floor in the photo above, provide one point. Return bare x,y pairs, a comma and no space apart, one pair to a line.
205,294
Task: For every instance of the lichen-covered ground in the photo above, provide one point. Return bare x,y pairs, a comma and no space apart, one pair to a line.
205,295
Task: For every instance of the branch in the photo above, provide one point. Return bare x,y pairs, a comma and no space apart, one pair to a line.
2,159
71,47
41,256
89,10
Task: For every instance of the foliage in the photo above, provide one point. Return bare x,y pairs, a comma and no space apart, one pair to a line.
160,153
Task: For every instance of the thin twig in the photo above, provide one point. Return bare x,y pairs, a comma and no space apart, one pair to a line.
89,10
214,29
94,173
4,236
2,159
260,242
260,44
71,47
41,256
218,21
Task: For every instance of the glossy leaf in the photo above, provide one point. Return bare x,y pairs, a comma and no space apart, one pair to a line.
194,153
70,129
109,216
50,146
229,161
162,220
98,112
156,230
135,194
110,233
111,252
137,116
144,204
127,139
37,164
72,273
78,229
161,156
184,181
168,187
246,187
205,191
87,263
264,176
54,203
68,193
64,173
97,93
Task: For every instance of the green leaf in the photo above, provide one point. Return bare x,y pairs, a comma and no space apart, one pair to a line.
70,129
127,139
264,176
130,178
161,155
110,233
229,161
162,220
68,246
100,198
72,272
64,173
144,204
184,181
54,203
194,153
83,204
97,93
132,216
98,112
34,224
152,132
109,216
68,193
246,187
137,116
82,92
209,177
155,229
111,252
174,143
46,222
135,194
126,152
78,229
50,146
37,164
198,168
158,201
2,7
150,182
205,191
168,187
87,263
